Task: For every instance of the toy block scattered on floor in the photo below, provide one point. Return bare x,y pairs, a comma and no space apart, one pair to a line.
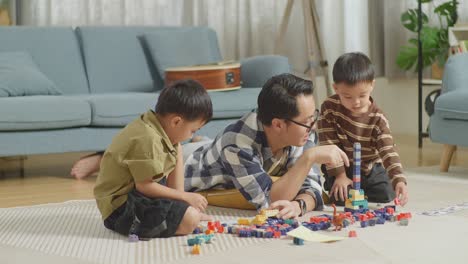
298,241
269,212
196,249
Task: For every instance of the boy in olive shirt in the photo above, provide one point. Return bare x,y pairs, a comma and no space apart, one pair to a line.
130,190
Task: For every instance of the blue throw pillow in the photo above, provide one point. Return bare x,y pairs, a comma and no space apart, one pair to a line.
182,47
20,76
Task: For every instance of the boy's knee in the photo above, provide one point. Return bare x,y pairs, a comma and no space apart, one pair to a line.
190,221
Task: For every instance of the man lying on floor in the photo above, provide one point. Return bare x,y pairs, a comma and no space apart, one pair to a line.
260,161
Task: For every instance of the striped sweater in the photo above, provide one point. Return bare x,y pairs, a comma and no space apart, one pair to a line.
336,125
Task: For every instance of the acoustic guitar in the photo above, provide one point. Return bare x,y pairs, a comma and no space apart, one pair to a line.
220,76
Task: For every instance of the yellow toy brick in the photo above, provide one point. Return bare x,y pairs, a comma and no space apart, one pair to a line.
243,221
259,219
196,249
269,212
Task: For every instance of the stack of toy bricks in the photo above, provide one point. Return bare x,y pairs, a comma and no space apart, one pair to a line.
356,201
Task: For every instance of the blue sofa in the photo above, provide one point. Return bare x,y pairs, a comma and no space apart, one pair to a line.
449,123
107,77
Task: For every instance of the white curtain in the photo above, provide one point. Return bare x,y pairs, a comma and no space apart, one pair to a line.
249,27
245,28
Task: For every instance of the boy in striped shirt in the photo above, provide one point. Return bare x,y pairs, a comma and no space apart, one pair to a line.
351,115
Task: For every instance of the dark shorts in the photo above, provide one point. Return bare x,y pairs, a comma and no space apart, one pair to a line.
376,185
146,217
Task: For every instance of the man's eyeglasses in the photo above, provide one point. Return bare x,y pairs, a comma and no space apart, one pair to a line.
309,127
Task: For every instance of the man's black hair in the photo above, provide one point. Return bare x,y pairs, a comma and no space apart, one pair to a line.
278,97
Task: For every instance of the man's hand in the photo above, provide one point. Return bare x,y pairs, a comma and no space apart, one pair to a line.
196,200
329,155
340,187
287,209
401,191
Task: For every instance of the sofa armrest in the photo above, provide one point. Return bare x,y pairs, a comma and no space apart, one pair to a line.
455,77
255,71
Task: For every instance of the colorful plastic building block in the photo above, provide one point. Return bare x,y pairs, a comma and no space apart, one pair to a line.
352,233
298,241
133,238
196,249
404,222
356,201
269,212
243,221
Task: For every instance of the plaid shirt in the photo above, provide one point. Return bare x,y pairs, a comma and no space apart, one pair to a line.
240,158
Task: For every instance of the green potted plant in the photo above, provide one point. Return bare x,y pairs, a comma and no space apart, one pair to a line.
434,38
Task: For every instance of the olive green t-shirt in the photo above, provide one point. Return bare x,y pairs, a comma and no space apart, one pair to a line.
141,151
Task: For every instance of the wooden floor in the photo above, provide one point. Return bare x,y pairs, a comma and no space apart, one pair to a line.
47,179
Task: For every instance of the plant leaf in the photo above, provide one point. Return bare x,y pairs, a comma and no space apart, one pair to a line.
409,19
407,57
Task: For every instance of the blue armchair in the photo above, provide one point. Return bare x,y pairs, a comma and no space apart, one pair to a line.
449,123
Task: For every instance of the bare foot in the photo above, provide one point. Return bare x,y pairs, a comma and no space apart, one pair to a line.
86,166
205,217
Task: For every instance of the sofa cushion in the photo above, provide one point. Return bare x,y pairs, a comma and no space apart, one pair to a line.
55,50
453,105
119,109
234,104
183,47
20,76
114,59
43,112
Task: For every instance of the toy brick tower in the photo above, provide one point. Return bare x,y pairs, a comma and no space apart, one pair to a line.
356,200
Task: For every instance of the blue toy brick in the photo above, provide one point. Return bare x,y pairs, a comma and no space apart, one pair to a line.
356,185
364,224
298,241
380,220
346,223
268,234
372,222
133,238
314,227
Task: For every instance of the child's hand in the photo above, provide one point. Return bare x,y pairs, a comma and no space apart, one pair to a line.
340,187
196,200
329,155
401,191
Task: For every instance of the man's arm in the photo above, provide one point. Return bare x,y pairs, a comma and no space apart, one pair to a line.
247,174
287,187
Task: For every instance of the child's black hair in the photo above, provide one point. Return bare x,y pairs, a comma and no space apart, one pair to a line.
352,68
186,98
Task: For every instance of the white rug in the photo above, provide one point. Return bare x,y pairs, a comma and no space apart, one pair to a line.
74,229
73,232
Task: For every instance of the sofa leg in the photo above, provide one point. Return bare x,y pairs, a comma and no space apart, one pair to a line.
447,154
